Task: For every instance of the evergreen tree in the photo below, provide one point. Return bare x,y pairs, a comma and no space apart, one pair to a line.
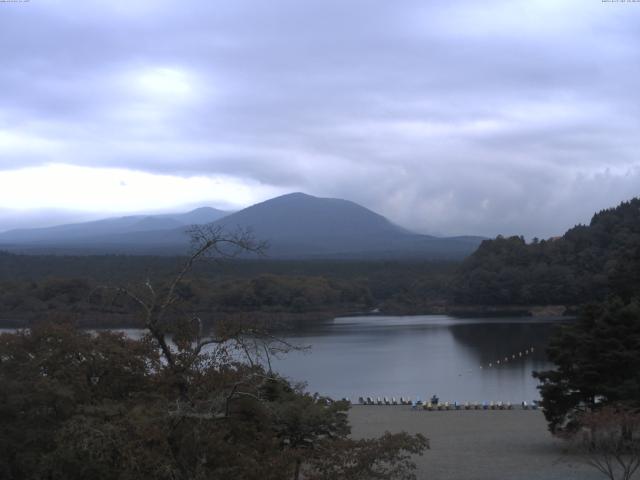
597,363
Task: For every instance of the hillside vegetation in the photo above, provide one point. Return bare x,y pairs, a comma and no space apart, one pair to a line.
589,262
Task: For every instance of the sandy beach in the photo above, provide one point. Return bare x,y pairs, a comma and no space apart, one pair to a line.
477,445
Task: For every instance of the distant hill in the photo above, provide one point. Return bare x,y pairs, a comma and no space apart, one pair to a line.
295,226
72,233
587,263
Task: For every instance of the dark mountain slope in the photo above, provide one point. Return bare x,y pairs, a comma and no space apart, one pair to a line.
298,225
303,222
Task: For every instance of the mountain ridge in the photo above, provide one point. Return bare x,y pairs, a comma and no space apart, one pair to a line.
296,225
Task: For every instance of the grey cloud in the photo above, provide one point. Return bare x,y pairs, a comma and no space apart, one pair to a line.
444,123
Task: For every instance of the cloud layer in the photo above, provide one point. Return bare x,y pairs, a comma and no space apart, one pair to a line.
448,117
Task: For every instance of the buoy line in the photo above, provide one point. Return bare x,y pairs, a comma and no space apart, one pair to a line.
508,358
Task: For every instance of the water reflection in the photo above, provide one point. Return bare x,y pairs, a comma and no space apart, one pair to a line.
422,355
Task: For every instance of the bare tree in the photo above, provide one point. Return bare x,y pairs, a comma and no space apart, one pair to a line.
610,441
180,335
155,304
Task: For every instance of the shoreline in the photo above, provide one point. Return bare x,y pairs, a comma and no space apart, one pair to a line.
477,444
97,319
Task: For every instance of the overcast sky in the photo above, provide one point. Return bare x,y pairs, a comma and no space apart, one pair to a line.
448,117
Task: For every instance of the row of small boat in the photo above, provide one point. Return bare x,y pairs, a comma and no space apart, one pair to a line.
534,405
386,401
477,406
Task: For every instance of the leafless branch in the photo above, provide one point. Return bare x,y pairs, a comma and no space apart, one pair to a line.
609,443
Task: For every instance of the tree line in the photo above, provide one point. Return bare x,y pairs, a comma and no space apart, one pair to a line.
24,301
35,286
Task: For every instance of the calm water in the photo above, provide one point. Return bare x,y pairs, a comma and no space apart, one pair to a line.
419,356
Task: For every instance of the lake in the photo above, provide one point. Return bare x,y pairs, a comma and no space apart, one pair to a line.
419,356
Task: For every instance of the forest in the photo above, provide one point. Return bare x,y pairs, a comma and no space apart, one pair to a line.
33,286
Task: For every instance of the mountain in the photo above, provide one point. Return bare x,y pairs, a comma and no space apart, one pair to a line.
294,225
300,225
323,224
72,233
